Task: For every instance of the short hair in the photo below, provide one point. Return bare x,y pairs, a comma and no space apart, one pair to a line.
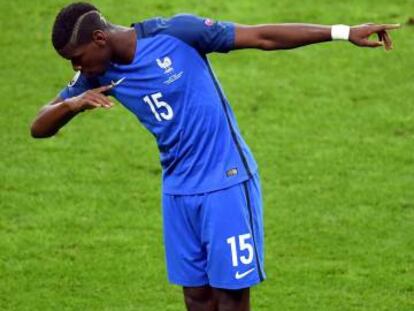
75,24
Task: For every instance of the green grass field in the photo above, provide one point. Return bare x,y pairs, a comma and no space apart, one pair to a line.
331,126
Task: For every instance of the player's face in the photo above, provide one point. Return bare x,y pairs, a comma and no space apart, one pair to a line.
91,58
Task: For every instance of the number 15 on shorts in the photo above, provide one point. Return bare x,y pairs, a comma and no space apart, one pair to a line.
241,249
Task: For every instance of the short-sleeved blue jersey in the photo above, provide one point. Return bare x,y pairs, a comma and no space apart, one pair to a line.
173,91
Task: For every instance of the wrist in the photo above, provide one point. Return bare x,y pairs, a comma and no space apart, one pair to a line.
340,32
72,105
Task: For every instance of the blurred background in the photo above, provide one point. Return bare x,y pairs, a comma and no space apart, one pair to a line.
331,127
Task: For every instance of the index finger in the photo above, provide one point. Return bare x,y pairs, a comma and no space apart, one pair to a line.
103,88
387,27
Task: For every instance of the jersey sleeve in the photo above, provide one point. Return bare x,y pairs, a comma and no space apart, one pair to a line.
204,34
78,85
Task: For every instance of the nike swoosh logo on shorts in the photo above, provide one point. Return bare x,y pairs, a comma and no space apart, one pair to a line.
239,276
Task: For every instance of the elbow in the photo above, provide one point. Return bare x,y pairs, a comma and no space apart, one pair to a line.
266,46
36,132
268,43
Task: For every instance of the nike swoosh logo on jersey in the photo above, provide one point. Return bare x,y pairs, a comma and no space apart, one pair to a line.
113,83
239,276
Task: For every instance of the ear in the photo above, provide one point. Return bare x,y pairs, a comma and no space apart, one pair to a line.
99,37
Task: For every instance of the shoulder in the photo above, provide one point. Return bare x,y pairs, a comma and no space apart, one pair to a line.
80,80
179,25
79,84
205,34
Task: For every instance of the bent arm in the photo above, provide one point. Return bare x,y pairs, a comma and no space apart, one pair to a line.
51,118
58,112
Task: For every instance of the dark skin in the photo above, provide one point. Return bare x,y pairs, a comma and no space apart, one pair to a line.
206,298
118,44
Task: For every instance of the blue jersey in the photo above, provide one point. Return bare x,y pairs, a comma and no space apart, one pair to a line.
171,88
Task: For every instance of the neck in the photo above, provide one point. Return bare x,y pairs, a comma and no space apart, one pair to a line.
123,41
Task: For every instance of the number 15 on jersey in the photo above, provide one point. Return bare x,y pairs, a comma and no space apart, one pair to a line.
161,109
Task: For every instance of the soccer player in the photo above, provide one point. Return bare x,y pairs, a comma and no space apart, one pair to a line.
159,70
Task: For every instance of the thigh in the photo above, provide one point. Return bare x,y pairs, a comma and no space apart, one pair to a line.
199,298
232,300
232,231
185,255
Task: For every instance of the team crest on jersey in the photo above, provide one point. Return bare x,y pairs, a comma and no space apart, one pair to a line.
166,64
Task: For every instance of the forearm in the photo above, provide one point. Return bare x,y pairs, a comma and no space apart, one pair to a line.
51,118
281,36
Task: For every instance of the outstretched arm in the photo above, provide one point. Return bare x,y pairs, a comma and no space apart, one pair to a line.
288,36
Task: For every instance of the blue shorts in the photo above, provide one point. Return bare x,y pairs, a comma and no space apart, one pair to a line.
215,238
